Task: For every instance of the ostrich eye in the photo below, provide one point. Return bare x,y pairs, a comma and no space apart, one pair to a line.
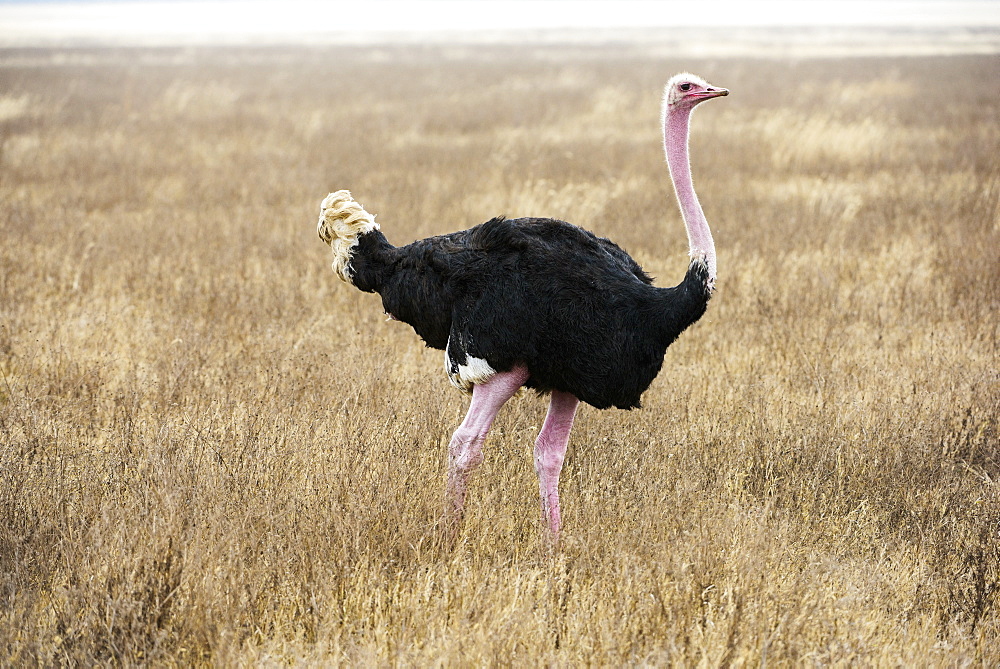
685,87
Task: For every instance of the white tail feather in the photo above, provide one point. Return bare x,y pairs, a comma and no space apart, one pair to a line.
341,222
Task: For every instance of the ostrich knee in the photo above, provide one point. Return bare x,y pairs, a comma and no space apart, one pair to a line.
465,453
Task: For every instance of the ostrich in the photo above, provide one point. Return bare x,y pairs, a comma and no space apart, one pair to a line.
536,303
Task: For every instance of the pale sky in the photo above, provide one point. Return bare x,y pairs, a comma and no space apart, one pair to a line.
238,20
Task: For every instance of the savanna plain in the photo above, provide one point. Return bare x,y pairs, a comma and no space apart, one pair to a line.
214,452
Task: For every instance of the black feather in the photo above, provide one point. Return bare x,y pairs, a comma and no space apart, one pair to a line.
576,309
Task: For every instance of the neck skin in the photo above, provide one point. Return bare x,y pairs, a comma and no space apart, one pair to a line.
675,143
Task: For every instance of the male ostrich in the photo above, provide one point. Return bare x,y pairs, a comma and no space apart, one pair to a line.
535,302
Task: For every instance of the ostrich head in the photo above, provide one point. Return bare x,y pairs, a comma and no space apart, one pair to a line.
685,90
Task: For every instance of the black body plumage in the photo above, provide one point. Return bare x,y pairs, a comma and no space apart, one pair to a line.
574,308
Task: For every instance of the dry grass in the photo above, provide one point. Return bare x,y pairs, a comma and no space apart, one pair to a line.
215,452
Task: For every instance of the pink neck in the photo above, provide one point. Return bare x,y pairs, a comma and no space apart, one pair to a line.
675,142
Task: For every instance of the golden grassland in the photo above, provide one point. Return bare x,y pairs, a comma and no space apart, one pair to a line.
214,452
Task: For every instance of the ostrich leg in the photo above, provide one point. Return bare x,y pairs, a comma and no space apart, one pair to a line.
550,450
465,452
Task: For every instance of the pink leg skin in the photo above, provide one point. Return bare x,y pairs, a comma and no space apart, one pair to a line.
465,452
550,451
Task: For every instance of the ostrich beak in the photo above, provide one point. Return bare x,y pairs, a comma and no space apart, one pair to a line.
710,92
713,92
